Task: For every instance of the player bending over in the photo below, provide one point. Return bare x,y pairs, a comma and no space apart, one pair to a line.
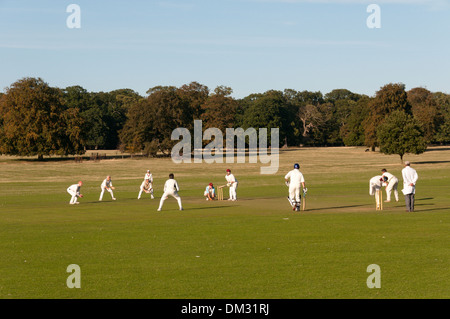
108,186
74,191
146,187
210,192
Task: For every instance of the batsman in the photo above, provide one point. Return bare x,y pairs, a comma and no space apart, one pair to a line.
295,180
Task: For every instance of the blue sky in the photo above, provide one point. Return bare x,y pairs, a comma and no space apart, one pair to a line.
250,45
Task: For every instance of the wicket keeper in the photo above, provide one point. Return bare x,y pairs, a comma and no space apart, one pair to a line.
210,192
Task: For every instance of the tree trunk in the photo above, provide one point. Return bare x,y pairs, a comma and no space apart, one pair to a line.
40,157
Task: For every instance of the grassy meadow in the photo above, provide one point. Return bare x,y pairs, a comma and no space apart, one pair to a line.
256,247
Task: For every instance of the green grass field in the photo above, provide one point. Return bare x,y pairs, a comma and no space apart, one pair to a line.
253,248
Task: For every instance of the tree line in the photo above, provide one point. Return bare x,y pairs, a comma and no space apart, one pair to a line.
37,119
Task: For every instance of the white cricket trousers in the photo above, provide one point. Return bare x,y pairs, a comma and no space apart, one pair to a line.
103,191
141,190
294,193
233,195
393,184
166,195
73,200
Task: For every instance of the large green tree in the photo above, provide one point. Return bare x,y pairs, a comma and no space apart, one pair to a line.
442,132
401,133
267,111
151,121
219,109
425,110
37,122
352,130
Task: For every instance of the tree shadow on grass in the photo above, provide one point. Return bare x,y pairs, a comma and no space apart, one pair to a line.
432,162
438,149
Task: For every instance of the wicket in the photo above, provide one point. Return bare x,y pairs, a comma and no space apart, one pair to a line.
379,199
220,192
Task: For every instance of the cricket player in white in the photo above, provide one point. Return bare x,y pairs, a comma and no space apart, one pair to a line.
210,192
146,187
392,184
170,188
295,180
74,191
375,185
148,176
107,185
232,183
410,178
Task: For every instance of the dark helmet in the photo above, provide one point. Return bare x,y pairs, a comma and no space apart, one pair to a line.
296,165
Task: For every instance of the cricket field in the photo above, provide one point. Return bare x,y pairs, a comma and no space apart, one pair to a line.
256,247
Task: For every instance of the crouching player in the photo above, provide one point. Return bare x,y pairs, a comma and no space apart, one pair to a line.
210,192
74,191
107,186
146,187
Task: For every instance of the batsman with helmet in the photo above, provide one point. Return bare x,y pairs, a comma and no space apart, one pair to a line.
295,180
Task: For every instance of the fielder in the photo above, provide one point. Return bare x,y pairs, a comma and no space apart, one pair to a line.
294,179
108,186
170,188
148,176
74,191
392,184
232,183
146,187
210,192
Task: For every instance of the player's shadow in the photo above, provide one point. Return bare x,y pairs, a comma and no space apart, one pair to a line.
430,209
212,207
424,198
337,207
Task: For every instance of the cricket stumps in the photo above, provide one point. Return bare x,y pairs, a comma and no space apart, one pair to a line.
379,199
220,192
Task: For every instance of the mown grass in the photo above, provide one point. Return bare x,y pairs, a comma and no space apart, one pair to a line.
253,248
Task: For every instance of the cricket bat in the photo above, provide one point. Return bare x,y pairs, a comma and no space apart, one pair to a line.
290,202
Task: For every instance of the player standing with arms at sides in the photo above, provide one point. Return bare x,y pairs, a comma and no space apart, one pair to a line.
294,179
108,186
410,178
146,187
74,191
392,184
232,183
170,188
210,192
